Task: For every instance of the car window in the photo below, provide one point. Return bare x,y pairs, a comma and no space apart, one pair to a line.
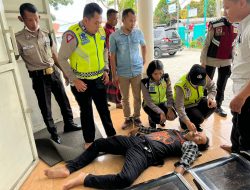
158,33
175,34
168,33
171,34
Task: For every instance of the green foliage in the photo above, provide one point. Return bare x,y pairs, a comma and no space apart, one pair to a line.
198,43
55,3
159,16
122,4
211,8
162,18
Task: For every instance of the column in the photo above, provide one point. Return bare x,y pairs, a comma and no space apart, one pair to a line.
145,22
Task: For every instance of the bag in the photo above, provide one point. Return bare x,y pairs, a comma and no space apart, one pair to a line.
113,92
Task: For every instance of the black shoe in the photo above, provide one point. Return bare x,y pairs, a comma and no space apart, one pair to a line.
137,122
127,123
221,112
162,124
151,123
56,138
72,127
183,125
199,129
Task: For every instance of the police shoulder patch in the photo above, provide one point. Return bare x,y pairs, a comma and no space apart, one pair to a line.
69,37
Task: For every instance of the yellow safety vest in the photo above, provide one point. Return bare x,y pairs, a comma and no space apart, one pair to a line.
156,92
87,61
191,94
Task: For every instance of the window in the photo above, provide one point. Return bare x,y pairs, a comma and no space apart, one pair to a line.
172,34
158,33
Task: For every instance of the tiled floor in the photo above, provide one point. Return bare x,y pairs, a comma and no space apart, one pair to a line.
217,128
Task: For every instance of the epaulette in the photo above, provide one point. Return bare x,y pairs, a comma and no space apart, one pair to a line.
166,76
19,33
145,81
68,31
44,30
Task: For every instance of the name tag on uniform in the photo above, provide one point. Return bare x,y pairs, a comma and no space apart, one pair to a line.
151,89
28,47
84,38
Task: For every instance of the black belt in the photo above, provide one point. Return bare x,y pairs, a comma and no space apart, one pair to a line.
47,71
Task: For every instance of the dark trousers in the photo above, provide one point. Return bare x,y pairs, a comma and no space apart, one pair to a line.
198,114
153,116
223,75
137,159
43,85
96,91
240,135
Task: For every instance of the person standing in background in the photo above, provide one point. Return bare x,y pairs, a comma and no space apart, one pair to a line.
127,64
217,53
239,11
113,90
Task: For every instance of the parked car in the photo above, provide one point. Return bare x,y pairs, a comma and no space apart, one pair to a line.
166,41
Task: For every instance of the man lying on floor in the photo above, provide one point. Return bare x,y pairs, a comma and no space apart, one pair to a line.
140,151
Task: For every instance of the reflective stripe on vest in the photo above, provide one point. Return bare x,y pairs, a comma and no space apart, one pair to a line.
191,94
87,61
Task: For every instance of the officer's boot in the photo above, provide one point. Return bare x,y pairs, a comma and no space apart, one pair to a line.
151,123
220,111
53,132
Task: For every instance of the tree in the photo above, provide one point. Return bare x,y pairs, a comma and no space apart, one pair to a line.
162,18
122,4
55,3
211,8
160,15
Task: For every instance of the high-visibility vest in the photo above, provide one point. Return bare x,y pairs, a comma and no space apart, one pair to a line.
191,95
87,61
157,92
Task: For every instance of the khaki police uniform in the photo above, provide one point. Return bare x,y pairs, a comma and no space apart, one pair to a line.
87,62
36,51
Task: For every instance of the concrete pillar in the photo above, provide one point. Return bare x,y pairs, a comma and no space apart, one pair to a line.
218,8
145,22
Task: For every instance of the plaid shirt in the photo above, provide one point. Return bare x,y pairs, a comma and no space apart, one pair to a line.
189,148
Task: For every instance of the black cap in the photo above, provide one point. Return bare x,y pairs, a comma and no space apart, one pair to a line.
197,75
